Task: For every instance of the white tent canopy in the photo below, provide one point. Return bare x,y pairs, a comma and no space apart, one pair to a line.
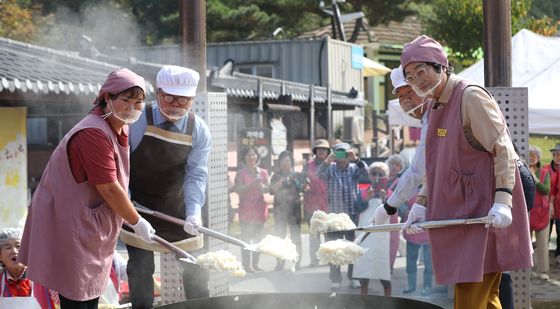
535,65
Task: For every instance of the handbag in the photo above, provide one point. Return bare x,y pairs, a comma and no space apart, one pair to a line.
528,182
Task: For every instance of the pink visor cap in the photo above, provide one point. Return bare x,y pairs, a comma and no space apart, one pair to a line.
120,80
423,49
177,80
397,79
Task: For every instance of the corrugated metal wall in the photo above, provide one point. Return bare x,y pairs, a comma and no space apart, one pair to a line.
292,60
317,62
341,75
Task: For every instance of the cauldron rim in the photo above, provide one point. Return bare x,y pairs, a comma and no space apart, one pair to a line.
288,301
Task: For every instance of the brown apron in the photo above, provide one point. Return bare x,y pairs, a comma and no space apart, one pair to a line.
158,174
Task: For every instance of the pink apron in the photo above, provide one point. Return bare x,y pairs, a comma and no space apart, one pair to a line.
461,184
70,232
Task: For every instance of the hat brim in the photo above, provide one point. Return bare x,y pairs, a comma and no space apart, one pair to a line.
314,150
184,91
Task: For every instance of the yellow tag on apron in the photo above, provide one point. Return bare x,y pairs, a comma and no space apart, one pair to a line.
441,132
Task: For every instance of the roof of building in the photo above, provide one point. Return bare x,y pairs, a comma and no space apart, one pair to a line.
392,33
27,67
241,85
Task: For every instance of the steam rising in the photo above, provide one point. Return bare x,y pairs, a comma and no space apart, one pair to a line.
105,23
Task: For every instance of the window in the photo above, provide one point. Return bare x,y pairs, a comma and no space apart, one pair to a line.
264,70
37,131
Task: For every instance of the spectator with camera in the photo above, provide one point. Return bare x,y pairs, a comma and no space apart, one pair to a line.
341,170
286,185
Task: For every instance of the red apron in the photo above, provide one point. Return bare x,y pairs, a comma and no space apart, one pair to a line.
539,214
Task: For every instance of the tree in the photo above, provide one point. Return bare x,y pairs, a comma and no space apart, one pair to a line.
458,24
542,8
20,20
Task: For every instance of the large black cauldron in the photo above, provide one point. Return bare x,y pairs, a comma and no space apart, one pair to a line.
301,301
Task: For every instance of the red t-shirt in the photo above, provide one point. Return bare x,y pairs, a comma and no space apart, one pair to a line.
91,155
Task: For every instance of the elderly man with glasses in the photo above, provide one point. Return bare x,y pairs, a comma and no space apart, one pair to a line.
170,147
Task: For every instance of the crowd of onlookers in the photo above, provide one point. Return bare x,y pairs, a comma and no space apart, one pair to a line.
545,213
334,180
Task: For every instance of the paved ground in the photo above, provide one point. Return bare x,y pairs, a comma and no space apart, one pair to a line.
544,294
316,280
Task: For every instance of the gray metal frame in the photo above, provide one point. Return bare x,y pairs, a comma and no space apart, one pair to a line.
212,108
514,105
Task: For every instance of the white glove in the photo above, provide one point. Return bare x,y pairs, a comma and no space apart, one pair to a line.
380,216
417,214
499,216
191,224
144,230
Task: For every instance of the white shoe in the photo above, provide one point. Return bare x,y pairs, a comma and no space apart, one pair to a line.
355,284
335,285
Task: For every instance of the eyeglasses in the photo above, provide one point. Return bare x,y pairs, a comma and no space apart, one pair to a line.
419,75
376,174
168,98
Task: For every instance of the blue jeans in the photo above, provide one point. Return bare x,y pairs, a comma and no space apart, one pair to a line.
411,264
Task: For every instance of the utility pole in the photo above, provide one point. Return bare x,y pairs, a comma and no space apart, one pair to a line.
497,43
192,19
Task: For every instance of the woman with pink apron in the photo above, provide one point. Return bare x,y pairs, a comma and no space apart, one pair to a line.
77,211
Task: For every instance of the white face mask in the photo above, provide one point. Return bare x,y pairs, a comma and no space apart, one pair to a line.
429,92
411,111
128,117
173,113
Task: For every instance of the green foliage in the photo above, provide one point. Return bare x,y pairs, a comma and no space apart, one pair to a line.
542,8
458,24
545,143
383,11
21,20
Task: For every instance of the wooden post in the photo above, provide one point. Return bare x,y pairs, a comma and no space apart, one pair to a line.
192,19
329,114
260,93
497,43
311,114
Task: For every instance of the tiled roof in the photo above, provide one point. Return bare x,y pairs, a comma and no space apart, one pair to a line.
246,86
26,67
398,32
392,33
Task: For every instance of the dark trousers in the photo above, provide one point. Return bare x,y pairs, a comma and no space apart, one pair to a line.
66,303
314,242
284,222
506,291
140,271
556,223
334,271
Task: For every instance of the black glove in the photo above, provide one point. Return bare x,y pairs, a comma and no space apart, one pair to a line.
389,209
